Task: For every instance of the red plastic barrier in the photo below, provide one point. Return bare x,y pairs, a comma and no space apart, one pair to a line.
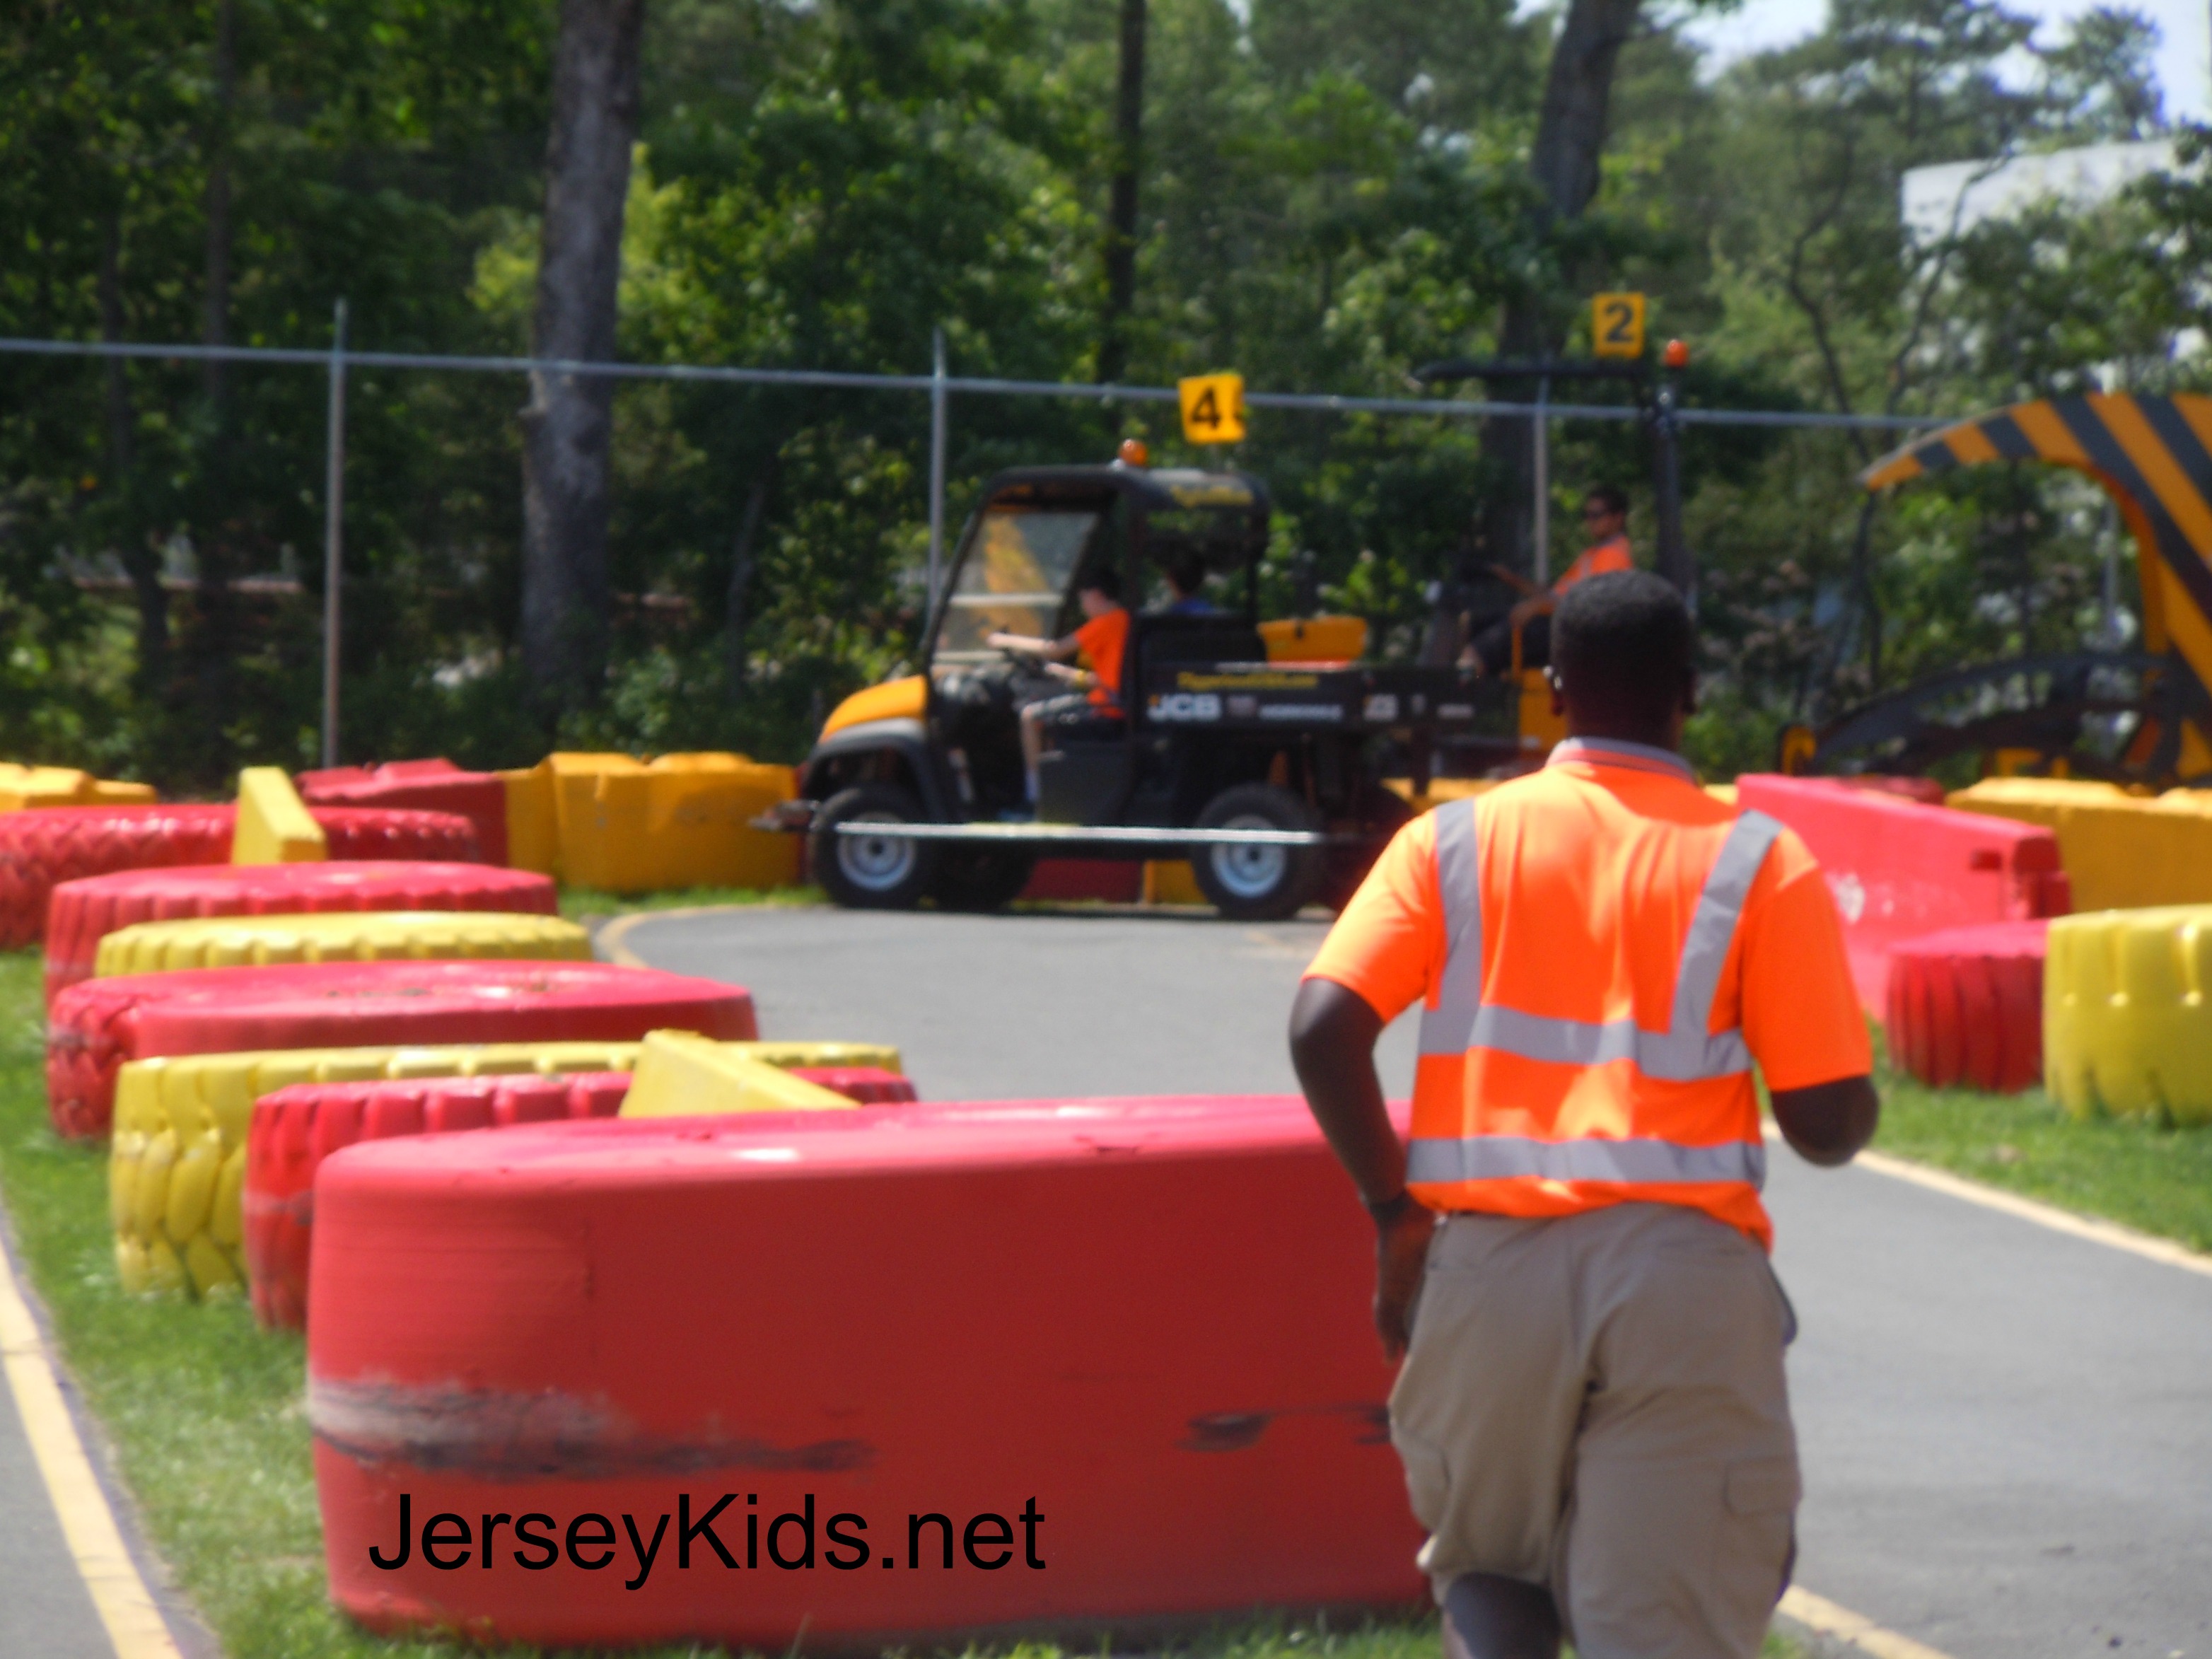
439,785
388,834
871,1086
1898,870
1153,1372
1926,791
83,913
95,1026
1116,881
46,846
295,1129
1965,1006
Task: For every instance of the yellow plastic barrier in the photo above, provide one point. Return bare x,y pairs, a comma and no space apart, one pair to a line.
626,826
1315,639
176,1167
533,827
63,785
2120,851
2127,1013
274,826
156,947
1168,881
682,1074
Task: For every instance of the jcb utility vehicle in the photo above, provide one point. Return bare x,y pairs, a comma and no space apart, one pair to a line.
1262,766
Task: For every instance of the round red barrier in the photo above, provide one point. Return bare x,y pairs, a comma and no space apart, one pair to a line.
94,1027
387,833
83,913
1965,1006
833,1436
46,846
295,1129
438,785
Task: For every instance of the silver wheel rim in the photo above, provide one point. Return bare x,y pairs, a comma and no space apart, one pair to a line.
1248,871
877,864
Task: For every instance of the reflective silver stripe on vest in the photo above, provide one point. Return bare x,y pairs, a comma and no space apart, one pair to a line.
1685,1053
1450,1026
1640,1163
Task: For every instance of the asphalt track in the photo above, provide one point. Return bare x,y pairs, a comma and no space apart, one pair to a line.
2006,1429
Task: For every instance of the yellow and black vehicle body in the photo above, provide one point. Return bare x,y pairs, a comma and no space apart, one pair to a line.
1257,750
2142,716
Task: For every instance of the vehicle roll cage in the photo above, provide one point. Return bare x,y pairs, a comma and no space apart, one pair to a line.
1141,492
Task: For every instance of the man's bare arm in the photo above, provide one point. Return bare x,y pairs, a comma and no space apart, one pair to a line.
1829,1123
1333,1033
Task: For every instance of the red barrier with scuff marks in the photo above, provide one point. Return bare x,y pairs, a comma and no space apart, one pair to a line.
1149,1319
1899,869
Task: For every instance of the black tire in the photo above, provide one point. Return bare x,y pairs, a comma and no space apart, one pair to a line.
979,877
1257,884
866,873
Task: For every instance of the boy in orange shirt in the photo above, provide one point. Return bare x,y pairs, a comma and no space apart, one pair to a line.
1099,642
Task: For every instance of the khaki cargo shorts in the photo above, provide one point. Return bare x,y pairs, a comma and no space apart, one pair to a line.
1596,1404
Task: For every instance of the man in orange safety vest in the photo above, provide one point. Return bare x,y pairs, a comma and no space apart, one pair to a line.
1572,1250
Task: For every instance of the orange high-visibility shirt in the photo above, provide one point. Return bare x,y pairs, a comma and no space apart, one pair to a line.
1602,950
1610,554
1103,640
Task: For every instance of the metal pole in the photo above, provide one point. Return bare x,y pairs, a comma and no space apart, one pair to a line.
333,534
938,402
1539,562
1665,432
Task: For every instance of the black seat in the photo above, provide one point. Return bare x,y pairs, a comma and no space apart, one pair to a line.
1158,642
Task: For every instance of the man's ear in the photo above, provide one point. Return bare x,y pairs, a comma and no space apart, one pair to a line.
1690,692
1559,692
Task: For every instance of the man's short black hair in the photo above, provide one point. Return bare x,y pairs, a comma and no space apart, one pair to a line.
1605,496
1187,569
1102,579
1624,648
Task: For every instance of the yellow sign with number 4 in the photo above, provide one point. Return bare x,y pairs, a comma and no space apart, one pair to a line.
1617,324
1212,409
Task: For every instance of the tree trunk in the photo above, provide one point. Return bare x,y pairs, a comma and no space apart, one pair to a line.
1564,166
140,560
568,424
1122,209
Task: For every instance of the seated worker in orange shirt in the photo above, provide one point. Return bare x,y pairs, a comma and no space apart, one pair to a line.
1605,525
1095,711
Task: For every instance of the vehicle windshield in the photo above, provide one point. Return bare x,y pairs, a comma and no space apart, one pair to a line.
1013,580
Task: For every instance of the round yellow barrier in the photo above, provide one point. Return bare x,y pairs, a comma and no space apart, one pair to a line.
156,947
176,1166
2127,1013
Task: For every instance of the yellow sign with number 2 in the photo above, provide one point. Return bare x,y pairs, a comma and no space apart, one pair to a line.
1212,409
1616,325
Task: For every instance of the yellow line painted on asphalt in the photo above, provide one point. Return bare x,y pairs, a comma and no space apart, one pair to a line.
608,941
2107,1233
2110,1234
118,1594
1823,1618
